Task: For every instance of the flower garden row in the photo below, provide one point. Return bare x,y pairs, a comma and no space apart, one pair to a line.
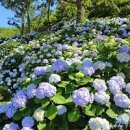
68,80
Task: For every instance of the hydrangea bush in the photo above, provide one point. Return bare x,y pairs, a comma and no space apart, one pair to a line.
77,78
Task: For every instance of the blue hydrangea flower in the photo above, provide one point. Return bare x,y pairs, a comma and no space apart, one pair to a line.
99,85
123,119
19,99
2,108
88,67
102,97
28,122
45,89
11,126
82,97
61,109
10,110
40,71
122,100
124,48
59,65
31,91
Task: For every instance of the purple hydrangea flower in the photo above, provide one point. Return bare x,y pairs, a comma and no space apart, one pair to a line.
99,38
102,98
60,65
19,99
122,100
45,89
28,122
99,85
128,88
65,47
82,97
123,119
11,126
39,71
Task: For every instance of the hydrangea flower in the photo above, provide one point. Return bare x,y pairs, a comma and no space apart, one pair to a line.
122,100
99,85
19,99
54,78
27,128
88,67
40,71
11,126
123,119
31,91
123,57
10,110
82,97
99,65
116,83
39,114
61,109
59,65
102,97
45,89
28,122
124,48
2,108
99,123
128,88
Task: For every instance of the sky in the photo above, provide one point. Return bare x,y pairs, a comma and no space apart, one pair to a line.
4,15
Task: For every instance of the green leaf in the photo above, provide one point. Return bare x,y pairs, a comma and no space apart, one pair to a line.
41,126
45,102
85,80
74,115
58,99
90,111
69,88
63,84
111,114
68,100
51,112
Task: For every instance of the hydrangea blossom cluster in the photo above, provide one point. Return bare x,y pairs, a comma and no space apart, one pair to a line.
59,65
40,71
123,57
116,84
102,97
61,109
99,85
82,97
99,123
88,67
122,100
54,78
11,126
123,119
45,90
19,100
28,122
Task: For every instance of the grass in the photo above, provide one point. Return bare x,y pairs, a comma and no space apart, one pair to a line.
7,32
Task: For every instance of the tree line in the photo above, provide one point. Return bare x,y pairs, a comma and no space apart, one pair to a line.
40,15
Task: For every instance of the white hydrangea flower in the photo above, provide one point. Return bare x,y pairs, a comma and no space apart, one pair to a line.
99,124
54,78
123,57
39,114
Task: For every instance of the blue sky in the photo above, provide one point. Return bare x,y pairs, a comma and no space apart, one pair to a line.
4,14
